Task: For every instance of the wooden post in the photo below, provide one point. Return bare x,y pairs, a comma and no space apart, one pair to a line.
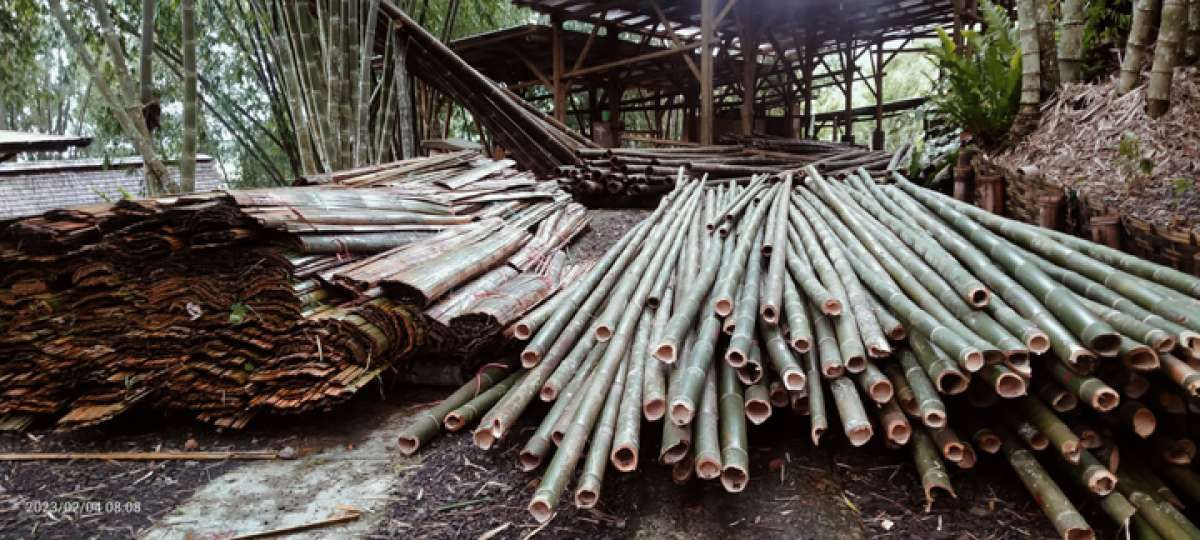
707,27
807,67
1050,210
848,80
1106,230
560,68
877,137
691,132
749,43
991,192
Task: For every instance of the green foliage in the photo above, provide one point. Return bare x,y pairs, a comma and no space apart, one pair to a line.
1106,25
980,86
237,313
1130,159
1182,186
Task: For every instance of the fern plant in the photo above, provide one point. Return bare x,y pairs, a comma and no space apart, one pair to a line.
980,85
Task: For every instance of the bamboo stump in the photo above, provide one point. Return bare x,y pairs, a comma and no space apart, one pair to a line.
1050,211
1106,230
991,193
964,180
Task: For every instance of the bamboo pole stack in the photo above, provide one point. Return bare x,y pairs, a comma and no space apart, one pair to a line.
878,311
227,305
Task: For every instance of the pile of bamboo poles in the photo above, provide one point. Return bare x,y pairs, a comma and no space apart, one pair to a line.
227,305
888,312
641,173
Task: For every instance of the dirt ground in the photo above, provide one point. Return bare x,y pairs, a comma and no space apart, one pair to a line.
453,490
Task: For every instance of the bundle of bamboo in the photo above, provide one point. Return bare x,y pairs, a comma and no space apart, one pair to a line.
731,302
645,174
231,304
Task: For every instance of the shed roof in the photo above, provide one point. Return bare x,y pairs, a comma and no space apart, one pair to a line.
15,142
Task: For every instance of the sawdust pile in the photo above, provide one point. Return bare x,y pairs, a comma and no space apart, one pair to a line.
1154,175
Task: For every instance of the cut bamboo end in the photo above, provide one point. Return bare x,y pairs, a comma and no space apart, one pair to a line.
675,453
750,374
879,351
723,306
1037,342
993,356
795,381
729,326
1079,533
934,419
454,421
1179,452
1088,438
529,461
654,409
1141,358
734,478
831,307
1105,344
1144,423
1082,359
817,432
969,458
953,451
1071,451
484,438
973,361
757,411
541,509
603,332
952,383
708,468
859,435
801,344
769,314
556,436
1064,402
548,393
1136,386
409,445
586,497
1010,385
1105,399
833,371
988,441
931,491
522,331
1039,441
856,364
735,358
1191,342
682,413
979,297
898,333
881,391
530,358
624,458
899,433
665,353
1164,342
681,471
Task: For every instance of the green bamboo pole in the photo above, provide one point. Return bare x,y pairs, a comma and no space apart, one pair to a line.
752,372
948,443
735,457
1058,398
746,315
1097,334
918,319
892,327
929,406
1043,418
654,391
795,312
1141,31
707,430
1088,389
539,444
727,299
771,300
805,275
591,479
585,350
895,425
689,309
470,411
1127,325
850,409
802,233
428,424
946,376
684,397
1167,50
1031,74
828,353
187,158
875,384
905,397
1165,276
930,468
783,359
1063,342
1004,381
1053,502
818,420
624,455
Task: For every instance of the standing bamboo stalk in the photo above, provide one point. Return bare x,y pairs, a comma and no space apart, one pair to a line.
1140,33
1166,56
1070,45
187,161
1031,76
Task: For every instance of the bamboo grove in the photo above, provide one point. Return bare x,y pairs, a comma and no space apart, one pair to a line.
876,311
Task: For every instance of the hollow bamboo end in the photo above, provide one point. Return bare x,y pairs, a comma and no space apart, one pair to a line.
1106,344
729,327
1102,482
952,383
1079,533
769,314
953,451
1136,387
1082,359
1039,441
654,409
879,351
665,353
523,332
1037,342
723,306
708,468
674,454
734,478
1165,343
1105,399
978,297
586,498
882,391
817,432
801,344
898,333
530,358
856,364
1144,423
973,361
899,433
833,371
1064,402
735,358
757,411
548,393
1180,452
795,381
749,374
1071,451
556,436
831,307
1141,358
969,458
528,460
454,422
625,458
484,438
934,419
859,435
541,510
989,443
682,413
931,491
1010,385
603,332
1191,342
409,445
